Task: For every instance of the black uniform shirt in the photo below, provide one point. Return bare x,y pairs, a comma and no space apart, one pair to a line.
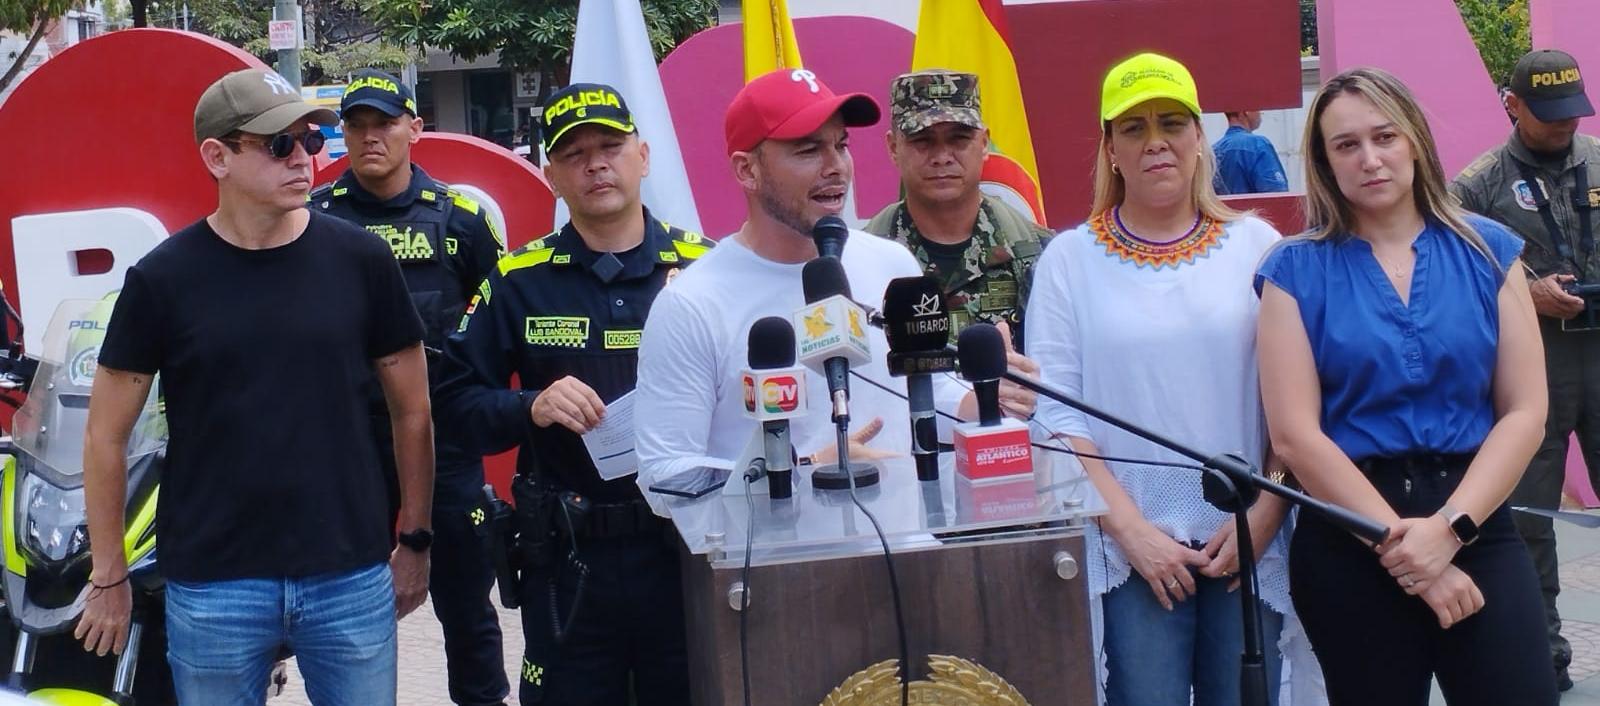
550,309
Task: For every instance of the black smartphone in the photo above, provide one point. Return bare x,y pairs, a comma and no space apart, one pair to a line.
693,483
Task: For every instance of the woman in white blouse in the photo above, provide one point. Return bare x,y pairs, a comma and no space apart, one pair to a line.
1146,311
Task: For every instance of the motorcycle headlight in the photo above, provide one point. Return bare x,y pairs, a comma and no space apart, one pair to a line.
54,519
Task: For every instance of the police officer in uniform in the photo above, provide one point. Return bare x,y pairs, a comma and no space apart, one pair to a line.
1544,183
599,585
981,249
446,246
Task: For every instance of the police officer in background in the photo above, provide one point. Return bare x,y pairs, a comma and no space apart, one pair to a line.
981,249
599,587
446,245
1544,183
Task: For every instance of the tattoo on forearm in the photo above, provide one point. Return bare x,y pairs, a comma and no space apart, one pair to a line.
389,362
134,378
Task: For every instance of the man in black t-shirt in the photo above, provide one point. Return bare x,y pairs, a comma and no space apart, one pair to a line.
265,321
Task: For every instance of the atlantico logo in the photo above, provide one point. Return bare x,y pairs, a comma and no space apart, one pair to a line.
1001,454
581,102
408,245
1555,78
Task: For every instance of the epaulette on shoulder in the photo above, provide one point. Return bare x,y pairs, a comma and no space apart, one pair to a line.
463,201
536,252
1481,163
688,244
321,192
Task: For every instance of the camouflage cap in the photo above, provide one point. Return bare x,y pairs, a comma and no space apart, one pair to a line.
920,100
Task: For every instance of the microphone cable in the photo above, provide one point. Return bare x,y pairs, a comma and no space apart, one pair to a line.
757,468
843,441
1053,433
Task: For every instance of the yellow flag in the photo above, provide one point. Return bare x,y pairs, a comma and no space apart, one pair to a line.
768,38
971,36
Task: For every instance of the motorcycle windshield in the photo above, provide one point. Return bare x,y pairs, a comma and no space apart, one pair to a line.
50,425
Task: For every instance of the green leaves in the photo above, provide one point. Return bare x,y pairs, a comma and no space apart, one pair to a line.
528,34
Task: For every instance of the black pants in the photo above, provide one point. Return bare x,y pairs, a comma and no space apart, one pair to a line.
1572,372
1379,646
628,637
460,576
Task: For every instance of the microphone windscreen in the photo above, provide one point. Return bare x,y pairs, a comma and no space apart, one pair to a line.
829,233
914,316
822,278
982,352
771,343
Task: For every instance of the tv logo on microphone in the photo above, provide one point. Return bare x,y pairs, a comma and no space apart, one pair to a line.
773,395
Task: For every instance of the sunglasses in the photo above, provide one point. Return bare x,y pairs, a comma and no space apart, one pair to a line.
281,145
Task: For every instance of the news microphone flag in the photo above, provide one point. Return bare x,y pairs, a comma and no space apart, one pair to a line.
995,447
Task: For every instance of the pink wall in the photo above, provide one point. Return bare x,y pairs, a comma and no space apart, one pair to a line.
849,54
1425,43
1569,25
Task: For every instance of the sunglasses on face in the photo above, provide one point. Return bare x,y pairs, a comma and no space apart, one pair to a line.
281,145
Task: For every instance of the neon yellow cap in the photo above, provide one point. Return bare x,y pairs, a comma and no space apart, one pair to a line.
1146,77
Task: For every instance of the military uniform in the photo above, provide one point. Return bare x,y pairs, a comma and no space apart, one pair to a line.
989,276
446,245
995,272
1500,185
607,578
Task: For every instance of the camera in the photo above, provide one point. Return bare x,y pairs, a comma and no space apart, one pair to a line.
1589,318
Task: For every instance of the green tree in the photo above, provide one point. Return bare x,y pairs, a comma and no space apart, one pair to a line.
1308,27
31,19
1500,29
530,35
340,39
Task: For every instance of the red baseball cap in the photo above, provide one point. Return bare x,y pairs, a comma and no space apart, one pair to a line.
788,104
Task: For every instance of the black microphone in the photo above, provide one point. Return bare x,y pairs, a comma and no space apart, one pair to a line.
830,232
918,329
982,351
774,393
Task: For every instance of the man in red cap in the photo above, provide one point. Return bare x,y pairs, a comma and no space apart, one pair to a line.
787,138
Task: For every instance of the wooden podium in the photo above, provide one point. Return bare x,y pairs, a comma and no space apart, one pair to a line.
992,575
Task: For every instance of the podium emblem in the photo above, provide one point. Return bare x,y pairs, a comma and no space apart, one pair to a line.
952,681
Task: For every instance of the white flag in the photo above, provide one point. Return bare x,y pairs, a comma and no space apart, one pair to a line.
613,48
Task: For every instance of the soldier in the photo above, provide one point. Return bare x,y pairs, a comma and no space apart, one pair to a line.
1544,183
982,250
446,245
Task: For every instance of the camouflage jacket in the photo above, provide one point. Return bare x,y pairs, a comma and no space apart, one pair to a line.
996,274
1493,186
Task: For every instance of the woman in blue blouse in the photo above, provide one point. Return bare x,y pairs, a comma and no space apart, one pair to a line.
1402,376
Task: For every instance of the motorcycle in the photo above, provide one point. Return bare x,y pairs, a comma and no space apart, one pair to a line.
44,537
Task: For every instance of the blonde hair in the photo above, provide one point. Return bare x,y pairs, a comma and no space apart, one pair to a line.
1110,189
1327,210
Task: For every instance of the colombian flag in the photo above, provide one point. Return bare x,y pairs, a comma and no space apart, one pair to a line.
971,36
768,38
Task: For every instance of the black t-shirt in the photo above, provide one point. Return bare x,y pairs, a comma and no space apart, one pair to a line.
946,257
271,468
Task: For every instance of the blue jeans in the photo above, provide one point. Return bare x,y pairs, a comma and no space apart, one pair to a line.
1156,656
223,636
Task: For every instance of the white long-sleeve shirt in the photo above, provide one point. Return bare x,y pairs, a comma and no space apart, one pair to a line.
690,405
1169,348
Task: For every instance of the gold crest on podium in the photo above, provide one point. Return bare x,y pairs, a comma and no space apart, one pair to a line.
952,681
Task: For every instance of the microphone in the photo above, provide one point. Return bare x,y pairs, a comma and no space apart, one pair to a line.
918,329
832,329
833,337
774,393
830,232
994,447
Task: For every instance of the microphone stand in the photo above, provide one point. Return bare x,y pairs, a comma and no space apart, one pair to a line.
1232,485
